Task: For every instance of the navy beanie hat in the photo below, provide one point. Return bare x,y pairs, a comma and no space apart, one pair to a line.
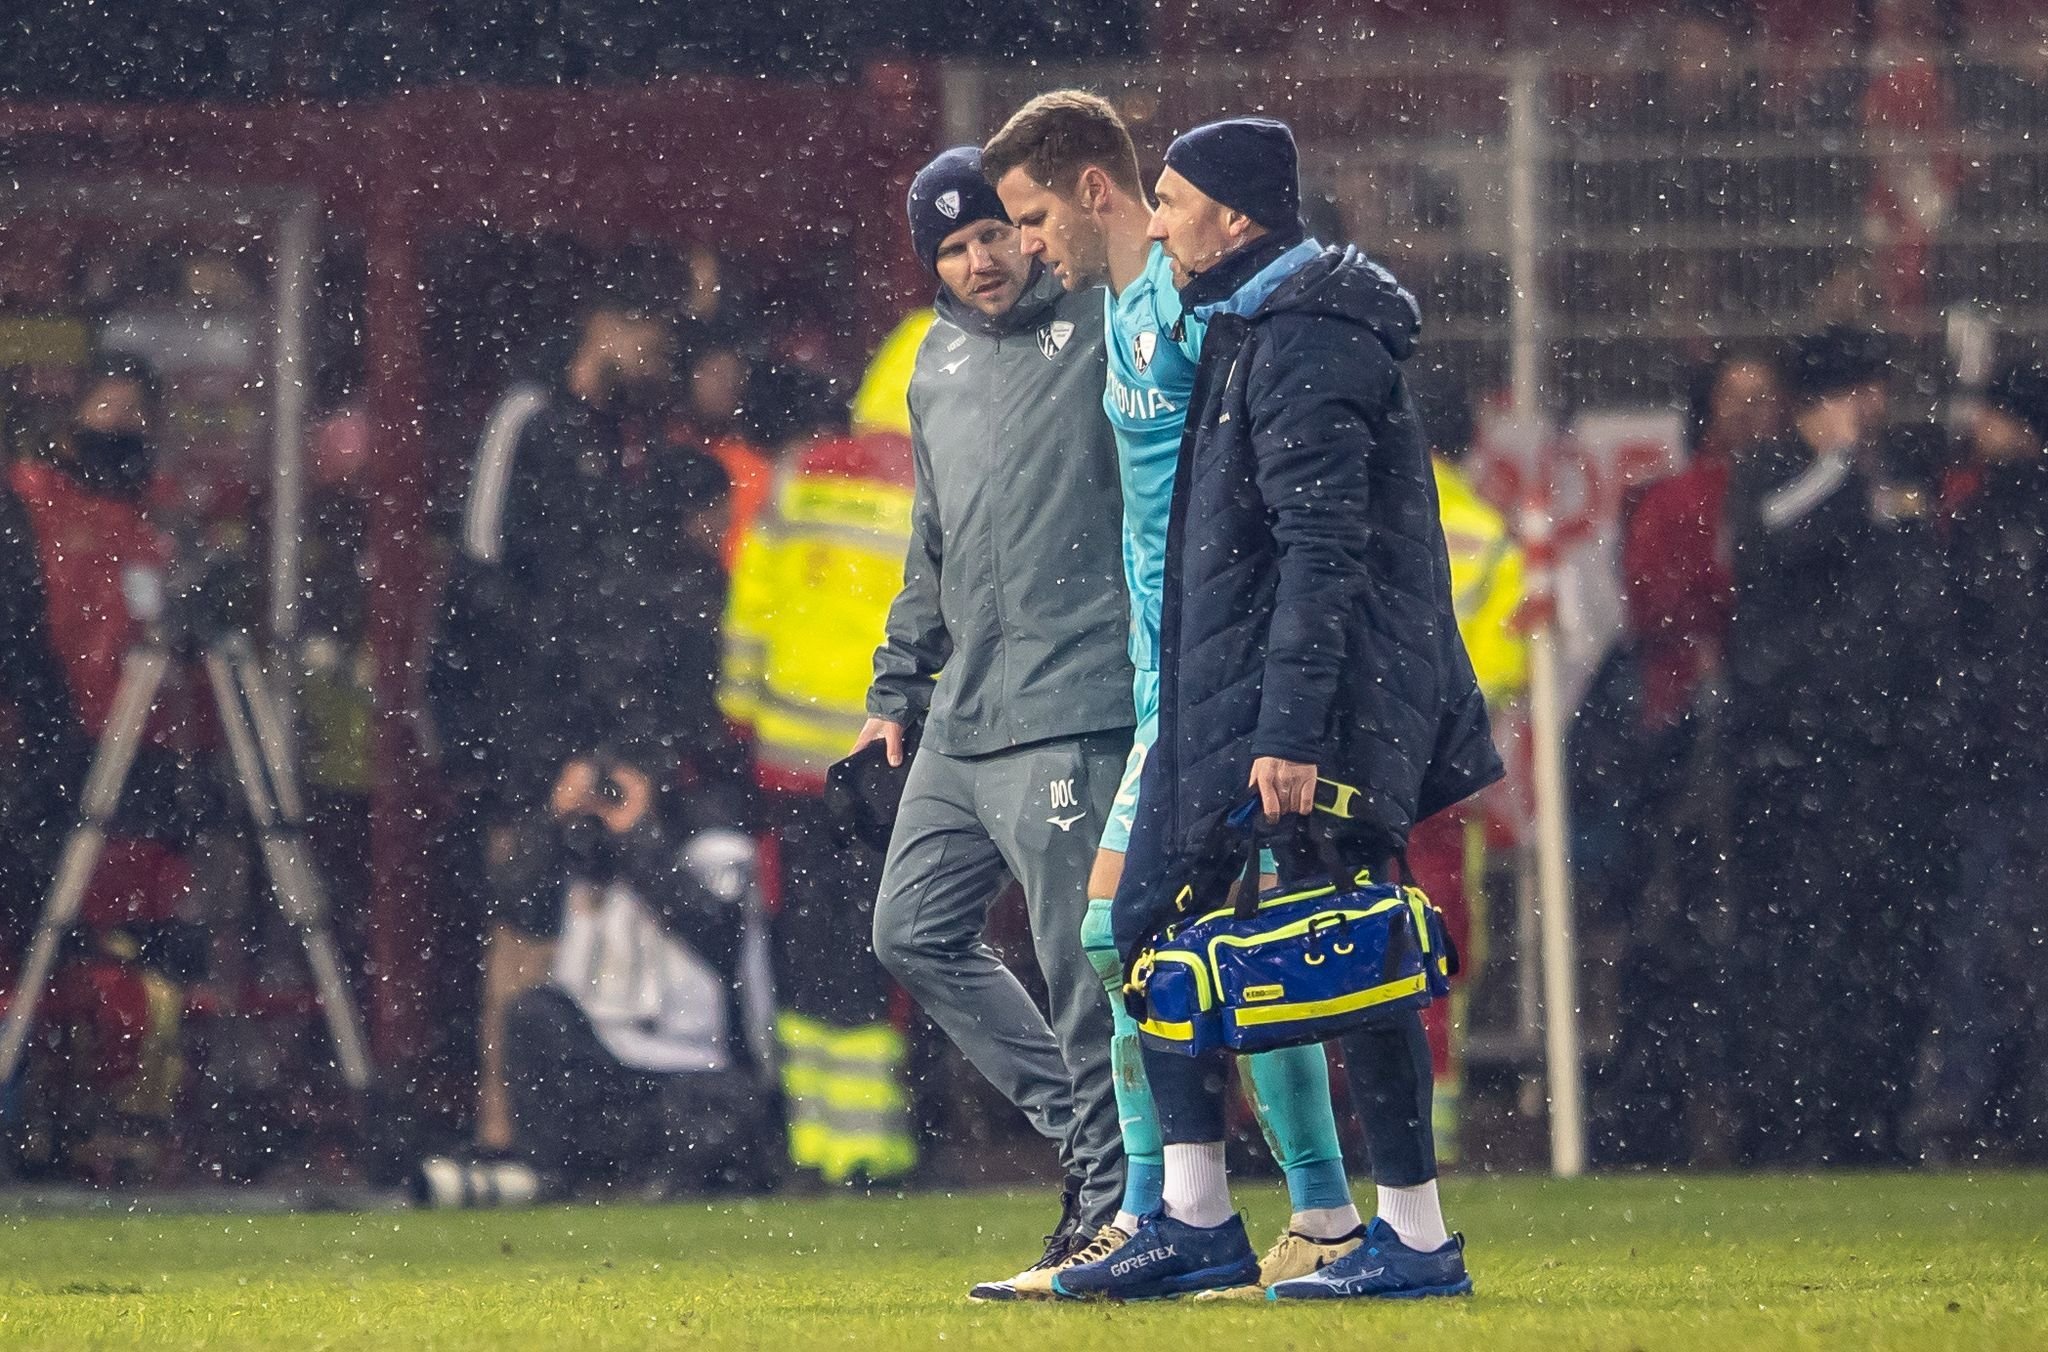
947,194
1246,163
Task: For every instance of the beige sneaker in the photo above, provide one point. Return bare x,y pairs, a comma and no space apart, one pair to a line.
1291,1256
1035,1282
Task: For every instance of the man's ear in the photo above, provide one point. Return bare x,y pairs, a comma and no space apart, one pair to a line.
1092,189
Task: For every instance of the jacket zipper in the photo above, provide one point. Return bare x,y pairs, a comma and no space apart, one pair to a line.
1169,598
995,553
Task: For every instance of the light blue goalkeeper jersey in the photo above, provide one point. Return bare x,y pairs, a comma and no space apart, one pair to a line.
1152,354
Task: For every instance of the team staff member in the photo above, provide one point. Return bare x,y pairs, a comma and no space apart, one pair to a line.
1306,630
1012,599
1067,171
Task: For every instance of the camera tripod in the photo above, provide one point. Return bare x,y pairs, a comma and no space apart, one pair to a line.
255,727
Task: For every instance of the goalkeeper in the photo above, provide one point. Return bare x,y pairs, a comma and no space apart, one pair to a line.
1067,172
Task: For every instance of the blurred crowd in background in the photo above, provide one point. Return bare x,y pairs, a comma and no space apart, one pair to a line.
669,503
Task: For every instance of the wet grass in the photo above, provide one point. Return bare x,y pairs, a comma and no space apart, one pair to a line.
1650,1262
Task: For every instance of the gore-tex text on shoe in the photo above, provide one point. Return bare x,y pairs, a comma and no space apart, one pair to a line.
1145,1259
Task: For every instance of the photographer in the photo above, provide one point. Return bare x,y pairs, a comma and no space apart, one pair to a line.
1840,729
582,616
635,1061
78,557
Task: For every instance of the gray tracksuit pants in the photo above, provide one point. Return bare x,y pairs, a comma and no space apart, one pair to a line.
965,826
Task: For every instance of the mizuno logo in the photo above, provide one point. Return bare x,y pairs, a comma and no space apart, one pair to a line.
950,367
1066,823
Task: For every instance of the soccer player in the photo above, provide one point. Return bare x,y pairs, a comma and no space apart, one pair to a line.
1007,645
1306,630
1067,172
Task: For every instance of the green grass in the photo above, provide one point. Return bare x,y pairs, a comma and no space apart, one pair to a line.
1851,1261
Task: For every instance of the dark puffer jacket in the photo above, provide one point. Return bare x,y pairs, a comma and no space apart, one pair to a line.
1308,611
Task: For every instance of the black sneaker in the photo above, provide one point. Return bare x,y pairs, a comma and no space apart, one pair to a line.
1066,1238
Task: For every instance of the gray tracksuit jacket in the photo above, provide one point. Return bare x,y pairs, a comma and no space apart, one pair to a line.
1013,586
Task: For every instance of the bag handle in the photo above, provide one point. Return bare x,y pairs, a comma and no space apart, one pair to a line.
1296,840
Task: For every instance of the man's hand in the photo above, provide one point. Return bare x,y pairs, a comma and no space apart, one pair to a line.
890,735
1284,786
580,791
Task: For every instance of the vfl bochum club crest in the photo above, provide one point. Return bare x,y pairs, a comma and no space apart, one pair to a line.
1142,348
948,203
1054,336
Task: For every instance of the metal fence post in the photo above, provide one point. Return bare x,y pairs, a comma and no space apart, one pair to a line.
1563,1072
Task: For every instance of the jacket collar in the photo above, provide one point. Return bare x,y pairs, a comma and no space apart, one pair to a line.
1242,282
1040,294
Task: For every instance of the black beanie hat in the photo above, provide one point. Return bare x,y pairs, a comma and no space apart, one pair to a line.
1840,357
1246,163
2021,389
947,194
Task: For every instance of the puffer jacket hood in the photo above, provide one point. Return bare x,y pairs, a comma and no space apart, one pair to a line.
1309,280
1350,286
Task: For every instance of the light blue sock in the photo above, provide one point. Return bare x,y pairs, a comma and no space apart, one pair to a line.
1290,1094
1144,1158
1144,1186
1318,1185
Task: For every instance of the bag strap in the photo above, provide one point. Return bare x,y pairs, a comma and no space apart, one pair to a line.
1402,874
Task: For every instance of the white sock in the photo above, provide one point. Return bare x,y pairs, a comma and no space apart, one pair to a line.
1197,1188
1416,1215
1126,1222
1327,1222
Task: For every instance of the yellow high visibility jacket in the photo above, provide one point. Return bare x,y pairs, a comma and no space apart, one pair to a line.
811,588
1486,584
882,403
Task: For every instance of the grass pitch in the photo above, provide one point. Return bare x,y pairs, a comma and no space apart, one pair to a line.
1641,1262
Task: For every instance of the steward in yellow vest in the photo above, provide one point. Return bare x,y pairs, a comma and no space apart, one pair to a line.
812,580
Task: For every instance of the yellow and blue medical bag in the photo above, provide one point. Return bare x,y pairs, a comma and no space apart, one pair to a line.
1303,962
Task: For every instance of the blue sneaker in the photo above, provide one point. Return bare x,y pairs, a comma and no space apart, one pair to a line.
1384,1268
1163,1260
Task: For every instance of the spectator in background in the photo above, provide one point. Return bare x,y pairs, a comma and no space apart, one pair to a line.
1675,552
781,407
1448,851
1665,1094
1835,721
816,573
581,627
715,304
81,572
1984,1071
722,387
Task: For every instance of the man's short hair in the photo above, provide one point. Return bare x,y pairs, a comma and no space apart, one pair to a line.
1057,135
